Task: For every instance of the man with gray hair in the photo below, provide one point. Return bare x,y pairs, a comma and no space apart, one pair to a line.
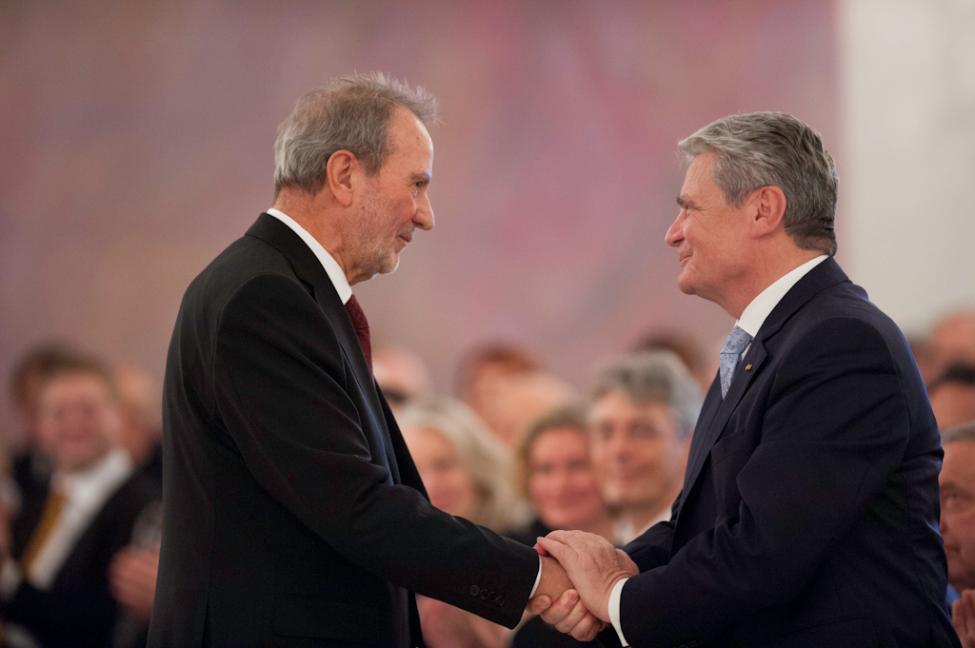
809,510
642,410
292,511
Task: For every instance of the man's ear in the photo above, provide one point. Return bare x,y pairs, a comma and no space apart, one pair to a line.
339,175
769,203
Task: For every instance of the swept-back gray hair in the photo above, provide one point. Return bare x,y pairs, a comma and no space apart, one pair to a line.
653,377
963,432
767,148
351,113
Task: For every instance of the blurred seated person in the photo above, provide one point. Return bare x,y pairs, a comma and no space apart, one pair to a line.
466,472
957,481
54,588
30,465
555,475
686,347
952,395
951,340
642,411
402,375
141,430
506,386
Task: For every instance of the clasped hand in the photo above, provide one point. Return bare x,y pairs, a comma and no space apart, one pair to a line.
593,566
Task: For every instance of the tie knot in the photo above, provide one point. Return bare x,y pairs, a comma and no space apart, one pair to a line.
736,342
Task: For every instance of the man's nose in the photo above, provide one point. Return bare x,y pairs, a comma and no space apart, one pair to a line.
424,213
673,236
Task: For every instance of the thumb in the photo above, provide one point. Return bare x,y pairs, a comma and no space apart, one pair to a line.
539,549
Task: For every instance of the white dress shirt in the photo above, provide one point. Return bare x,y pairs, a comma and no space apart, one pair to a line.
332,267
751,321
342,287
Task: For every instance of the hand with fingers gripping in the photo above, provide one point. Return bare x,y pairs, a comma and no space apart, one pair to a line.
559,604
593,565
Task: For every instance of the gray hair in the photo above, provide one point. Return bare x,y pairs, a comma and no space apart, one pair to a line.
487,459
653,377
767,148
351,113
963,432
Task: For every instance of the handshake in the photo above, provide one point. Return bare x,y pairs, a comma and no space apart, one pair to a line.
579,571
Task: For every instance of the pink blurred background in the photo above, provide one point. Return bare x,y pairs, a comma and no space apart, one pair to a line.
137,139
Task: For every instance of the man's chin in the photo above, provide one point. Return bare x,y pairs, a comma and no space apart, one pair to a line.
685,285
389,265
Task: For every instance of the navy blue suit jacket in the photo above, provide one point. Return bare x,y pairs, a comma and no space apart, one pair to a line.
809,512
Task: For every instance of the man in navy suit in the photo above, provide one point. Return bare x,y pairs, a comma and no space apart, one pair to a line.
809,511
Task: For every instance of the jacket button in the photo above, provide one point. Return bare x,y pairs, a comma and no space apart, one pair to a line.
475,590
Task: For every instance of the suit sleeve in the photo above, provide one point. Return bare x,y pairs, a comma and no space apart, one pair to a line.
835,428
280,389
653,547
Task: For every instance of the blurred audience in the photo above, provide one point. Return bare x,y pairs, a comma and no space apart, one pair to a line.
402,375
701,365
54,585
522,398
643,409
466,472
139,401
554,473
30,464
952,395
958,525
952,339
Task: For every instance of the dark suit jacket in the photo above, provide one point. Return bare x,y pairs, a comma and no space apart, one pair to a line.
292,511
809,512
78,608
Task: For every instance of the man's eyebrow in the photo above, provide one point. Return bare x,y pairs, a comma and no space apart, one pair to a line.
422,177
685,203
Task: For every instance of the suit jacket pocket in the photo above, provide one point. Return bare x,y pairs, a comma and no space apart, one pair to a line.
300,616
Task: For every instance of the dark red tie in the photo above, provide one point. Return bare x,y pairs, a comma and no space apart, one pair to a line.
361,326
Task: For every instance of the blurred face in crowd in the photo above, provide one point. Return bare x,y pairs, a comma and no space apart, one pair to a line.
709,235
951,340
561,485
78,419
396,200
953,404
638,457
448,481
958,512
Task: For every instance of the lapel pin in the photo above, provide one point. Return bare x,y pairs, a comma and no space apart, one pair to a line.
748,367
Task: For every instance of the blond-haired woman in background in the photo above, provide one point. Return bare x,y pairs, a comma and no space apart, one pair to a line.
466,472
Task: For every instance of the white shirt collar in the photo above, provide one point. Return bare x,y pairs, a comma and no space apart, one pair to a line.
758,310
87,488
331,266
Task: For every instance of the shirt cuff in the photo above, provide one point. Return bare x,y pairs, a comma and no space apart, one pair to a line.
538,578
614,608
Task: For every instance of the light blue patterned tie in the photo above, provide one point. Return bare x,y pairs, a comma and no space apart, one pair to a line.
736,342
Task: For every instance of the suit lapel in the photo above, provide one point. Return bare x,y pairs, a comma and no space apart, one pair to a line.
308,268
717,411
